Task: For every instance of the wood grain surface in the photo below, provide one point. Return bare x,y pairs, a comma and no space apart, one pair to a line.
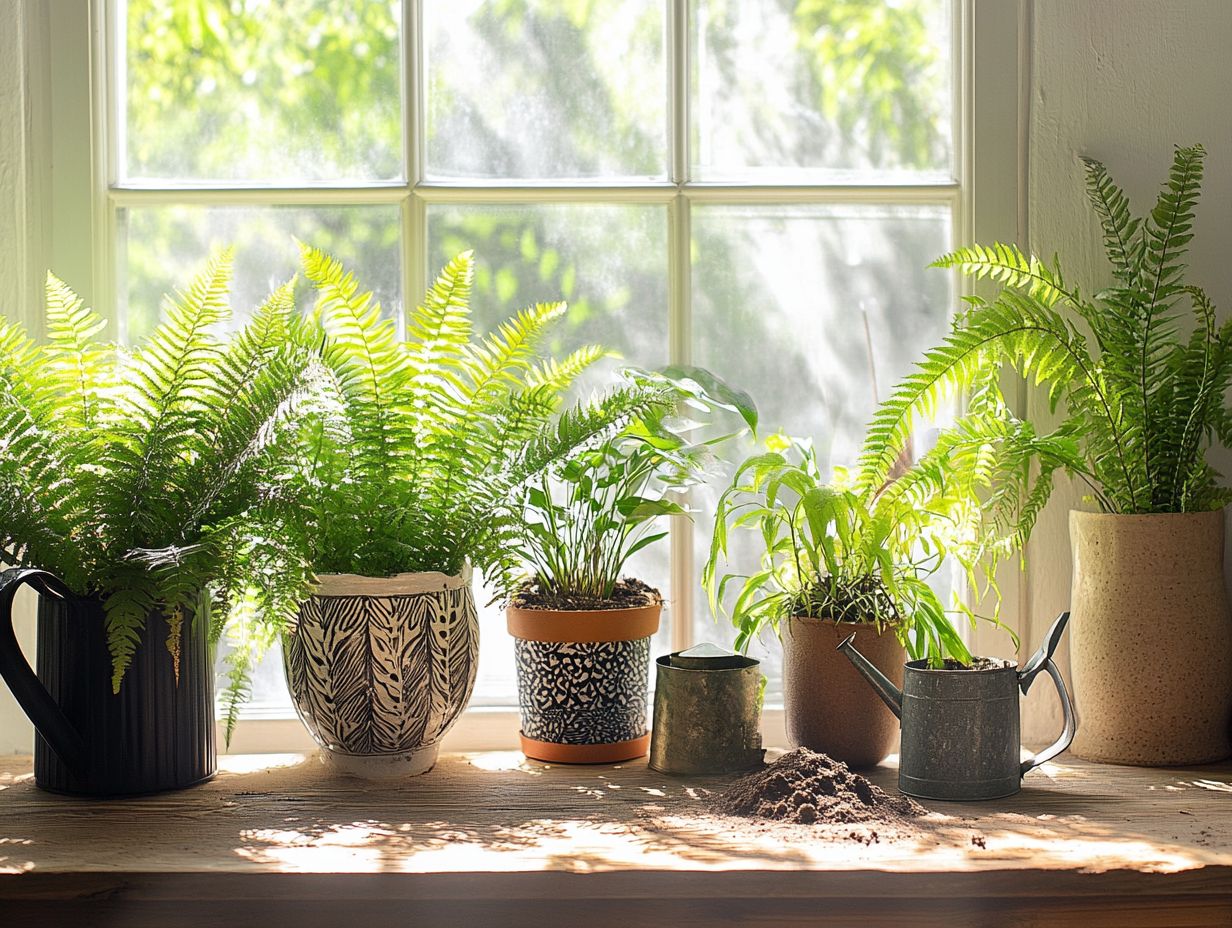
493,839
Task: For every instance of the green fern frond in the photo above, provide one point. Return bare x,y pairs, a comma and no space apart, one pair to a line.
126,610
1122,242
167,384
439,329
367,360
1168,229
582,424
77,368
1008,265
561,375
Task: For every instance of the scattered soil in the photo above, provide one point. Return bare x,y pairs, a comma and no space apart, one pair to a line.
805,788
628,594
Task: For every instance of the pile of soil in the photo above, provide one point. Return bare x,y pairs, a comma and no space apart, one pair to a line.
808,788
628,594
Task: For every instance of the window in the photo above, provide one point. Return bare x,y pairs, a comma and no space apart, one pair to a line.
756,186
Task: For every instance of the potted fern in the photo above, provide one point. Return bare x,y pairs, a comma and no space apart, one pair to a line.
1143,403
582,629
840,555
408,481
127,477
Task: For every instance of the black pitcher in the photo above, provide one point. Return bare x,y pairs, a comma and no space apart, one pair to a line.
156,734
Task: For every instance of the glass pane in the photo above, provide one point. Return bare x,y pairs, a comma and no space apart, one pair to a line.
829,91
610,264
287,91
270,697
160,248
538,89
818,311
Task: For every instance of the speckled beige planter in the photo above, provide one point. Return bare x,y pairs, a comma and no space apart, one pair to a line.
827,705
1151,638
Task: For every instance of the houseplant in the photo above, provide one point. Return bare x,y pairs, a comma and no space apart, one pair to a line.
841,555
406,484
582,631
1143,402
127,476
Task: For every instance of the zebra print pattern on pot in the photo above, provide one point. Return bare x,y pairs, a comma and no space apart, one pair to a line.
382,675
583,692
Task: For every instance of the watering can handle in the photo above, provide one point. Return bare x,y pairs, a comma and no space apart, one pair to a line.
1042,660
29,691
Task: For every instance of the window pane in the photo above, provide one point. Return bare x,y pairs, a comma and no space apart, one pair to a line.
817,311
287,91
610,264
537,89
821,90
160,248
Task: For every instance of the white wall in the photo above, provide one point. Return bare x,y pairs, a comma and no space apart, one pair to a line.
1122,81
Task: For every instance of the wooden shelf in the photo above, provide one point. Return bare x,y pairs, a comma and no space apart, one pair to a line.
493,839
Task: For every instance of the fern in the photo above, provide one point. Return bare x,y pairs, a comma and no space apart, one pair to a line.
1142,401
431,438
135,474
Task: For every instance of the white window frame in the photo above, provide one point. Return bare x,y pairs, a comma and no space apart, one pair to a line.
74,105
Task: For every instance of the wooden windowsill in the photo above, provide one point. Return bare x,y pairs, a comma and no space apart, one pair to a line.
493,839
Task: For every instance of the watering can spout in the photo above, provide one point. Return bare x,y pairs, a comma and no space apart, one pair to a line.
890,694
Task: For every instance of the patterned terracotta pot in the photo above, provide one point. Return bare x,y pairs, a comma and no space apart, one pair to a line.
582,682
381,667
1151,638
827,705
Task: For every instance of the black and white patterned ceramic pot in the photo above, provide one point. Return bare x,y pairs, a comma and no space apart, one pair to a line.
381,667
582,682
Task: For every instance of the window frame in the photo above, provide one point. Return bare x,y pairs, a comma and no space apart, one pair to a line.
82,95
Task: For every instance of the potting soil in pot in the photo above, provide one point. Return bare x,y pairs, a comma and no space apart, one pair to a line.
804,787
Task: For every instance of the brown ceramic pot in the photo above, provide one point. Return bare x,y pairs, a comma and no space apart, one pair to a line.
1151,638
582,682
828,706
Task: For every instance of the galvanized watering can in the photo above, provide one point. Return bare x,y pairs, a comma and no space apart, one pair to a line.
960,728
707,712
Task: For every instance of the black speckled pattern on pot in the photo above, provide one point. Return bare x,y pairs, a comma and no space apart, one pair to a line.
583,692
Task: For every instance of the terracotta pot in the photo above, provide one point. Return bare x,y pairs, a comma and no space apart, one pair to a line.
582,682
1151,646
381,667
828,706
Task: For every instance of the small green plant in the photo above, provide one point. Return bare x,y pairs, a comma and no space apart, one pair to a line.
1143,402
586,517
831,550
134,472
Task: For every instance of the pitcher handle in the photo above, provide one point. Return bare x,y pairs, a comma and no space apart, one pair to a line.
1067,735
29,691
